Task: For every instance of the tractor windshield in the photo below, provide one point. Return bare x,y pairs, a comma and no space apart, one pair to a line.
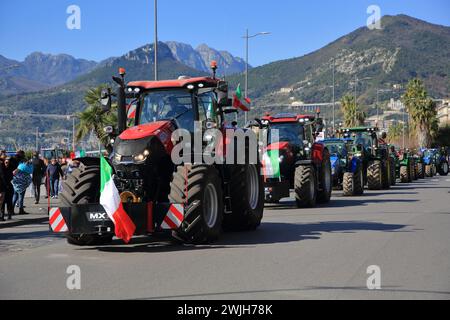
362,138
287,132
168,105
337,148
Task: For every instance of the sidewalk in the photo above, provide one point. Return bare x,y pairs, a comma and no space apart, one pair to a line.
37,214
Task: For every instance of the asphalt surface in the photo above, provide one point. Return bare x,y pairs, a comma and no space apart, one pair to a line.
320,253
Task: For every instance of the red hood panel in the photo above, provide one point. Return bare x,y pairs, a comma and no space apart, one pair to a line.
278,146
143,131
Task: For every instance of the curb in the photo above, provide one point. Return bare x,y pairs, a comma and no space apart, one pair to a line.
17,223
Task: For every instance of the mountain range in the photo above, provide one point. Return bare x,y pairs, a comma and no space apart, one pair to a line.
404,48
41,71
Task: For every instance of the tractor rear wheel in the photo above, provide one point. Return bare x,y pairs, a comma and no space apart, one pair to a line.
326,179
443,168
247,198
199,187
305,185
82,186
375,175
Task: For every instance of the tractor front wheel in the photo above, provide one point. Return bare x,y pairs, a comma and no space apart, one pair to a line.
375,175
305,185
199,187
82,186
429,171
443,168
326,179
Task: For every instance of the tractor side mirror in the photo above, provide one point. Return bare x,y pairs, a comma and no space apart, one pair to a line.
108,130
105,99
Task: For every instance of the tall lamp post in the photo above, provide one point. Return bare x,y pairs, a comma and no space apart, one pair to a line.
156,40
247,37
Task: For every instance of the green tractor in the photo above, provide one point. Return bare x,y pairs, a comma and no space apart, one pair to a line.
375,157
407,167
419,165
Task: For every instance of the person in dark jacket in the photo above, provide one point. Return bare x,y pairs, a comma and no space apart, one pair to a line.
54,173
9,192
38,173
2,186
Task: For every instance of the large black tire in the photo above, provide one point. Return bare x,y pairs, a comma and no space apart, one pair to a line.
305,185
353,184
429,171
325,180
443,168
393,173
203,203
82,186
386,176
375,175
421,171
247,198
404,174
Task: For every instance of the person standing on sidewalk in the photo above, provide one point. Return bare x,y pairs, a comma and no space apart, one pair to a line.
21,181
54,173
2,186
38,174
9,193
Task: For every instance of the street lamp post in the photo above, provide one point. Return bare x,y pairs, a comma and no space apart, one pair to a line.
156,40
247,37
334,96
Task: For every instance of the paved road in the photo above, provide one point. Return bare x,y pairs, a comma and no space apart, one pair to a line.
320,253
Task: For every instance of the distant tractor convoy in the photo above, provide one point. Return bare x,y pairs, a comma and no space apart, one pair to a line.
193,201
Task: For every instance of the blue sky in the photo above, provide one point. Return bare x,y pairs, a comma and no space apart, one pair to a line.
113,27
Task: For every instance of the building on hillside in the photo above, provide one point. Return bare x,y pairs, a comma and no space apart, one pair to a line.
443,112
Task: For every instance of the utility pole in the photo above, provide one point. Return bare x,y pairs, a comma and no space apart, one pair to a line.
156,40
247,37
334,97
73,134
37,139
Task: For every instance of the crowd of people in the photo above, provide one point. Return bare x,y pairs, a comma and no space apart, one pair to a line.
17,173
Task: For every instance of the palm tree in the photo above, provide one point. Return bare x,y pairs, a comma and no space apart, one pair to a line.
93,118
422,110
352,116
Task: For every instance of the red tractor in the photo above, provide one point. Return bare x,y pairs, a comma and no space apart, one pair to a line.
193,201
302,163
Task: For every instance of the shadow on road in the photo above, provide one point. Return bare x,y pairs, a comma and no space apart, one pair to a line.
339,202
268,233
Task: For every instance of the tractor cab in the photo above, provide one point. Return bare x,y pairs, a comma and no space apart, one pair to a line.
292,150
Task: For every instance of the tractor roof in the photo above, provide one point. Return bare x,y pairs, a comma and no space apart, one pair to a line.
205,82
359,129
288,117
334,140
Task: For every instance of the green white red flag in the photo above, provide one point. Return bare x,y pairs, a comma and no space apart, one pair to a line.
111,202
271,164
240,102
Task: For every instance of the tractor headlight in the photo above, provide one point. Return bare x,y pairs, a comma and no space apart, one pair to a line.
117,158
140,158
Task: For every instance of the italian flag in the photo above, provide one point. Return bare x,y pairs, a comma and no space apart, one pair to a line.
110,200
271,164
239,102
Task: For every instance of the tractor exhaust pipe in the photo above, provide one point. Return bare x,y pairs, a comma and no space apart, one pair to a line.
121,101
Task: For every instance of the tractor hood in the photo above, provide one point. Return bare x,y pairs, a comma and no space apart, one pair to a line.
278,146
144,130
